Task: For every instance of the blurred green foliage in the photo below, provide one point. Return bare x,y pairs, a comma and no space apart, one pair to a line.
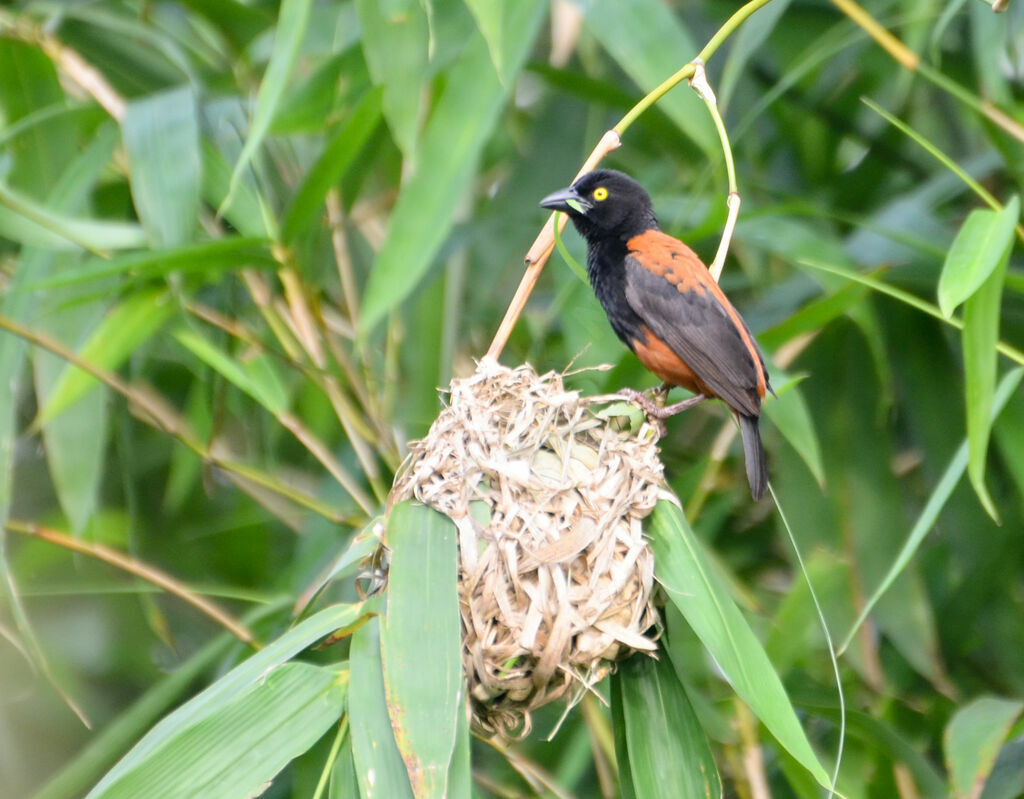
274,229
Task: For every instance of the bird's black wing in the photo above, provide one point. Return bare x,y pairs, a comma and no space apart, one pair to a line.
672,291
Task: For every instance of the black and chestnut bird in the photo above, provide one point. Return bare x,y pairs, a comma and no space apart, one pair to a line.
663,303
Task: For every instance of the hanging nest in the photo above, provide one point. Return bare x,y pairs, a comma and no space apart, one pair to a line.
555,576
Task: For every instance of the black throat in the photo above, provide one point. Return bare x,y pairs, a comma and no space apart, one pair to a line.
606,267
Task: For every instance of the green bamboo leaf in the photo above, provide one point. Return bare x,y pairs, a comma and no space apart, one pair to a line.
664,738
103,749
206,258
1014,354
1009,438
790,414
235,684
493,17
795,630
120,333
421,645
395,40
362,546
747,41
933,507
379,765
973,738
893,743
697,591
161,139
237,749
257,378
185,466
626,790
245,213
343,784
316,101
979,339
649,43
447,158
291,29
76,439
331,166
1006,780
33,224
813,316
29,82
976,252
460,776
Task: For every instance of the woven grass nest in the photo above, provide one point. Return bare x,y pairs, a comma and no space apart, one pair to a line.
555,576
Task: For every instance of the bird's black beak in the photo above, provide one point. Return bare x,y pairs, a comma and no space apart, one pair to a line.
567,200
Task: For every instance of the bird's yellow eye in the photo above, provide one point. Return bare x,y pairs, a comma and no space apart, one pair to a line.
600,193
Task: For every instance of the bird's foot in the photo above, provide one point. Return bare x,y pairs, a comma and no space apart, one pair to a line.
659,412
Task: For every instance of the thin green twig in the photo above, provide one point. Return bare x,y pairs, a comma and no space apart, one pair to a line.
940,156
924,306
687,71
828,638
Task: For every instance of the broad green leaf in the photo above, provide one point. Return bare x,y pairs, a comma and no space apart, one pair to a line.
362,546
973,738
649,43
235,684
343,783
789,413
492,17
237,749
447,157
161,139
1006,780
979,338
245,213
331,166
696,589
316,101
460,775
379,765
626,790
28,82
291,28
206,258
748,40
930,513
120,333
103,749
895,745
186,466
1009,438
664,738
421,645
977,251
33,224
395,39
813,316
796,629
75,440
257,378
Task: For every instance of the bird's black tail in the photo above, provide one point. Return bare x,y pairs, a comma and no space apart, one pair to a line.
753,451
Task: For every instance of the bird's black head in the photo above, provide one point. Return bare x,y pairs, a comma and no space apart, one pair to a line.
605,203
